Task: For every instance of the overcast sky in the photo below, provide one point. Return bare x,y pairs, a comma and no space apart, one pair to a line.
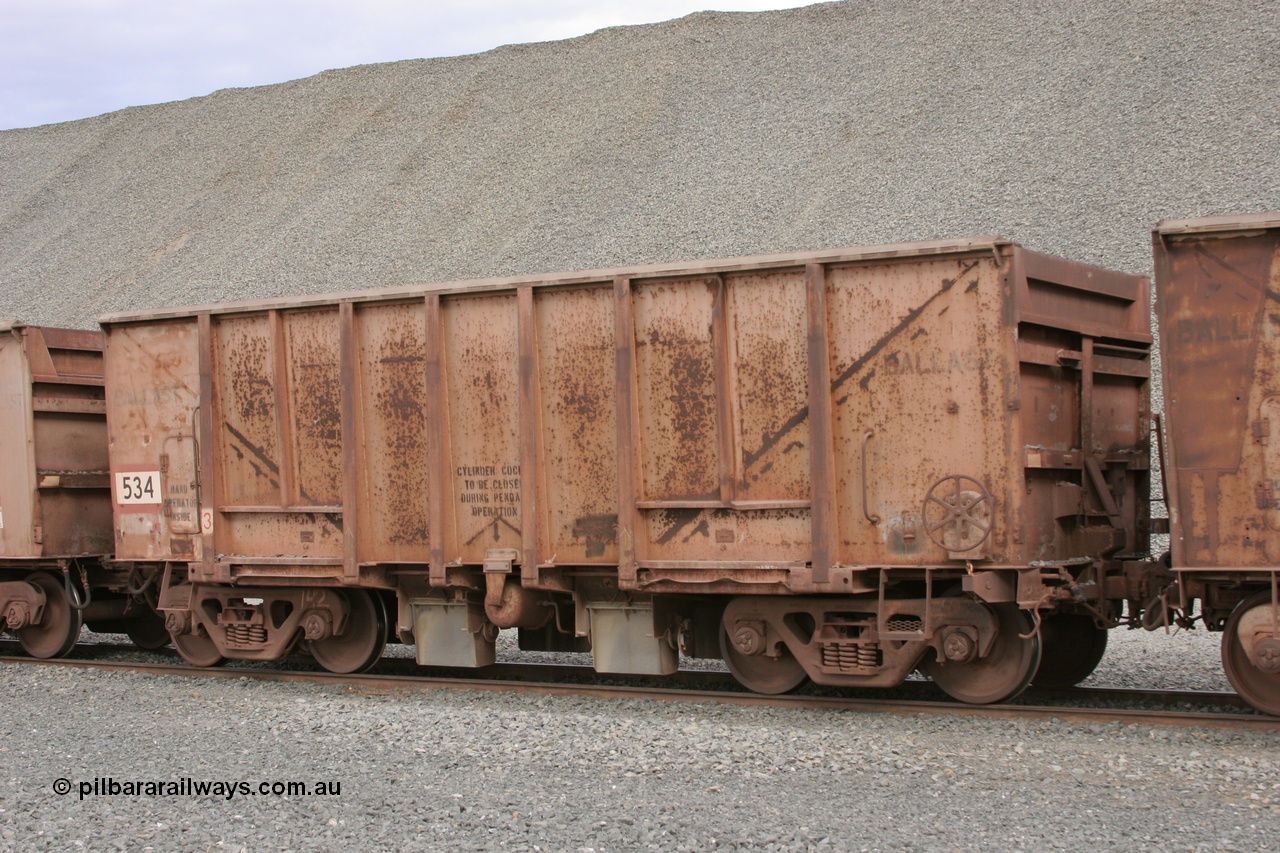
68,59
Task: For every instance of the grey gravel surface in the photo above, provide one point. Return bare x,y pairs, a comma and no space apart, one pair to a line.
438,770
1179,660
1070,126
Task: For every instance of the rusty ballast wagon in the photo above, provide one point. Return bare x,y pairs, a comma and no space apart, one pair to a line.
838,466
55,501
1217,287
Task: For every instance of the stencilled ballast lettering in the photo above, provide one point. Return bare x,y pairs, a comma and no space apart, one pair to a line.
149,397
934,361
1212,329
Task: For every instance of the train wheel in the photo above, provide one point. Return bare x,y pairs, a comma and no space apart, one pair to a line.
360,646
1004,673
1071,648
60,625
761,673
1259,685
146,629
197,649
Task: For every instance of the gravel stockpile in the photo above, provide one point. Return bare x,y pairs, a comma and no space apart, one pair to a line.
1069,126
471,771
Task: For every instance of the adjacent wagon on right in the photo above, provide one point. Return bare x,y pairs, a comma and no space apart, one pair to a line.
1217,284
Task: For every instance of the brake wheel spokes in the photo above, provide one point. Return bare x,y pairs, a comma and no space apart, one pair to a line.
957,513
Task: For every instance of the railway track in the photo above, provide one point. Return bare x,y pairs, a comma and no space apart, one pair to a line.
1081,704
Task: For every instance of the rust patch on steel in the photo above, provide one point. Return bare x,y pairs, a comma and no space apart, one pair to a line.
688,369
398,377
251,387
315,396
245,380
599,531
261,464
678,405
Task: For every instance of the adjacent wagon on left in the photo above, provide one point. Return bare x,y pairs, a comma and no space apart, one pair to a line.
56,535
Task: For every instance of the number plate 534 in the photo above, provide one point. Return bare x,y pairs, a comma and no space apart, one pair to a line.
138,487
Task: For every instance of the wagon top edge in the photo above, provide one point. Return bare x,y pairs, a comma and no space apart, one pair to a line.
1211,224
927,248
58,337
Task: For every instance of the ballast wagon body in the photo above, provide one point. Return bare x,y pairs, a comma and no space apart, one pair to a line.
1218,285
827,465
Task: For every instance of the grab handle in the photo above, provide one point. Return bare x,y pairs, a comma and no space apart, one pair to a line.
871,517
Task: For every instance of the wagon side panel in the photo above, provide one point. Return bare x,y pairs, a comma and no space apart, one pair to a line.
721,420
277,440
576,426
395,460
153,399
920,381
1220,332
482,400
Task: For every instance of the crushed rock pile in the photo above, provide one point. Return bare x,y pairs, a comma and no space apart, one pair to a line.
1070,127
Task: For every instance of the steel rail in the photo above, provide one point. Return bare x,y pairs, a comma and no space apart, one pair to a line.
555,680
918,690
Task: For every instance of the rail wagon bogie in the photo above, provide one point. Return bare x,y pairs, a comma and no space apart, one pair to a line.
56,533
